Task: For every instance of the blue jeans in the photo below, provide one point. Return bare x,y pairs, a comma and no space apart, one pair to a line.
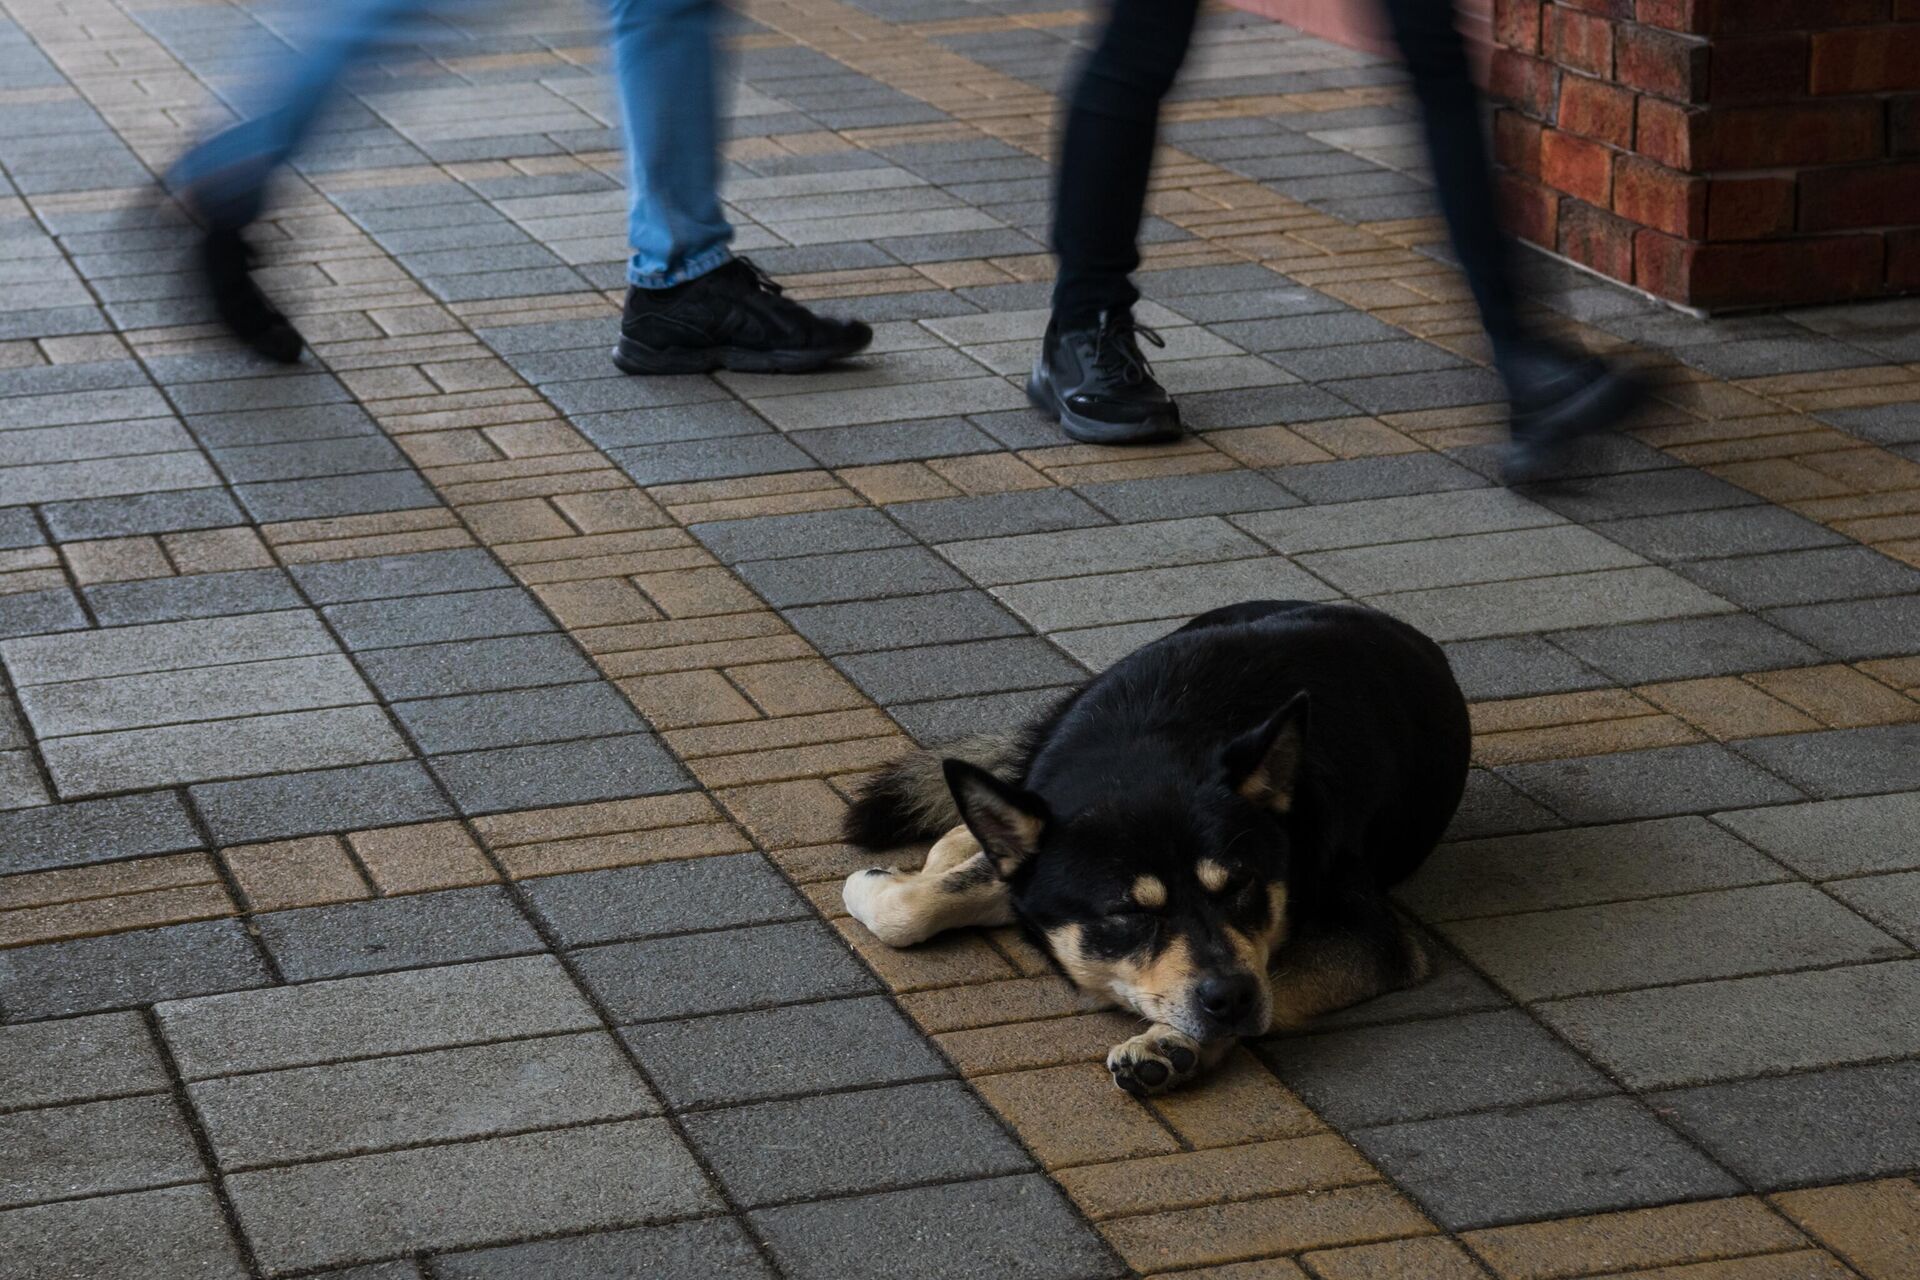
666,56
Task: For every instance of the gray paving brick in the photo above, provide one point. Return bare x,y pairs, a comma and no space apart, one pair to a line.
247,428
705,1061
1688,938
18,528
1686,650
667,897
1174,497
204,693
171,755
944,720
1434,1067
1844,762
980,666
1098,648
1550,1161
125,969
1517,666
1031,557
720,972
1729,531
253,394
1492,806
405,577
1856,629
177,1231
395,933
1451,990
1159,593
1645,494
346,455
120,517
478,721
1365,479
1835,837
1613,597
1892,902
296,804
533,777
349,495
94,830
470,1193
940,618
75,1059
1019,1226
708,1249
854,575
405,1012
1393,520
1581,867
443,1095
1205,411
204,595
880,442
845,1143
994,515
463,615
93,1148
1820,1128
715,459
476,666
708,420
1804,577
1486,557
165,646
32,613
1763,1025
1648,784
806,534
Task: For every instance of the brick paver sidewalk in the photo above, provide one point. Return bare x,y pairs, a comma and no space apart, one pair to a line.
421,768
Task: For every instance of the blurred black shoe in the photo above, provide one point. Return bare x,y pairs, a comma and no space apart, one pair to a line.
732,317
226,268
1096,382
1557,397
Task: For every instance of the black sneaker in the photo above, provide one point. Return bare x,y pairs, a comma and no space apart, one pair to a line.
1557,397
226,267
733,317
1099,387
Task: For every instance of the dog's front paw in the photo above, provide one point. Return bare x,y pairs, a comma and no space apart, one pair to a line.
1158,1059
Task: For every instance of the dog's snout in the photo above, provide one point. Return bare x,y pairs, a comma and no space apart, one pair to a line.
1227,999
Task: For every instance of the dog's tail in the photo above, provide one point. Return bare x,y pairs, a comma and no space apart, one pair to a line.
908,800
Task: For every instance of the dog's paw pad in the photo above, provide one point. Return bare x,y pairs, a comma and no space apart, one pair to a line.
1153,1063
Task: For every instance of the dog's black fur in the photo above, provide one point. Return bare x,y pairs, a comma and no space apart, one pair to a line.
1207,831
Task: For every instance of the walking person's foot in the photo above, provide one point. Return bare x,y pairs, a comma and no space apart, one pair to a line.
1559,396
1095,382
732,317
225,260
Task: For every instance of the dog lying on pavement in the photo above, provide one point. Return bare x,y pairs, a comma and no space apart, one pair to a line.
1204,834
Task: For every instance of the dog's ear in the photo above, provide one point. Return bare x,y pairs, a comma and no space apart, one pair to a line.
1006,820
1263,764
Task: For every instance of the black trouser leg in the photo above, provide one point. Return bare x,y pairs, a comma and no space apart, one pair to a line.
1106,154
1436,55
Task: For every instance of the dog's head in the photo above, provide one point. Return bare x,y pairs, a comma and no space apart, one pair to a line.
1168,894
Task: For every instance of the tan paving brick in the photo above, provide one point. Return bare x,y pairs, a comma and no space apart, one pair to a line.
797,688
697,593
1590,706
1634,1240
1875,1226
646,813
1194,1178
780,814
117,914
956,959
681,699
810,864
1805,1264
897,482
1259,1228
988,473
1024,1046
217,550
1563,742
106,880
595,602
611,511
989,1004
295,873
1073,1115
116,560
421,857
788,731
621,849
521,520
1839,696
1428,1257
1726,707
814,760
1259,1269
1242,1102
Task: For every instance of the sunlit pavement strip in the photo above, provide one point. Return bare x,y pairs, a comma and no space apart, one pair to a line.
421,768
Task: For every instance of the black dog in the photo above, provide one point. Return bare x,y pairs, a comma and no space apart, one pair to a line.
1205,833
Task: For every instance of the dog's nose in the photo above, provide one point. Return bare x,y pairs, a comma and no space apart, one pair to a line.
1227,1000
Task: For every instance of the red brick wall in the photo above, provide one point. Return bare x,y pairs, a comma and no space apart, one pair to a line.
1719,153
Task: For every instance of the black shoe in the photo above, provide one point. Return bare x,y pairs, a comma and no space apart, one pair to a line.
1557,397
733,317
1097,384
226,266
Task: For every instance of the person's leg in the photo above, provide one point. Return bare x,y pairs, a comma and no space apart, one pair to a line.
692,306
1557,395
1091,376
1106,154
666,58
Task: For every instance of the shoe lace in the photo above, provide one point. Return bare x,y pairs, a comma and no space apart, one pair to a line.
762,282
1117,354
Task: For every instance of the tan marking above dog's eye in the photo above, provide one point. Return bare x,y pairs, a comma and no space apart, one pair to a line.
1213,876
1149,892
